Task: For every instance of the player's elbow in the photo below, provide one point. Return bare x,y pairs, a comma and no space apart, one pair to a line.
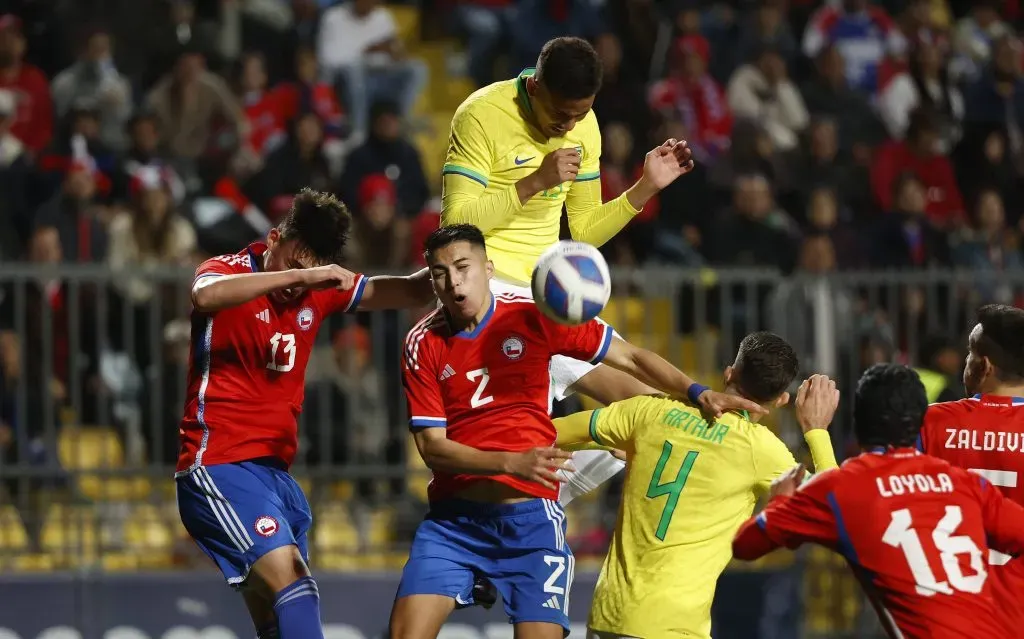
203,298
742,551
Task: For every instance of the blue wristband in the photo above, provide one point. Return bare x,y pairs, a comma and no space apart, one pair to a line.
694,391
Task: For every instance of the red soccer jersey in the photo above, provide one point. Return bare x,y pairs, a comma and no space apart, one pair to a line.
916,531
489,387
985,434
247,369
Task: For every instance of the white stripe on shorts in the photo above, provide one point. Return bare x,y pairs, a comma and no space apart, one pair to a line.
223,511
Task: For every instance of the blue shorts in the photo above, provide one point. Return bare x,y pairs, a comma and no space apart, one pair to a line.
520,548
239,512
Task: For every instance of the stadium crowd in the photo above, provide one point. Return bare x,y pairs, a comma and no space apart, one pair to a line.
836,136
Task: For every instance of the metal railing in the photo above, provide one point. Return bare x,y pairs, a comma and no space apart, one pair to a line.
93,366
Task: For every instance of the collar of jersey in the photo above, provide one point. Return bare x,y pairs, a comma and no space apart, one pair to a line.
890,450
1000,399
521,93
479,327
255,253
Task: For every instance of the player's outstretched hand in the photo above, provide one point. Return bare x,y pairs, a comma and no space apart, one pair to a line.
786,485
557,167
542,465
816,402
667,162
329,276
714,404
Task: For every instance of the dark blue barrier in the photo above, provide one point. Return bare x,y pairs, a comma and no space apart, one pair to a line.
200,606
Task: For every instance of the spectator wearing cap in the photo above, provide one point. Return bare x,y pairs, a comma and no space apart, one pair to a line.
33,123
762,91
862,33
15,180
190,103
94,79
387,151
380,239
76,214
692,96
920,154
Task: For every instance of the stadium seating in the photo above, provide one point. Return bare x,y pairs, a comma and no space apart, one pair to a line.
90,452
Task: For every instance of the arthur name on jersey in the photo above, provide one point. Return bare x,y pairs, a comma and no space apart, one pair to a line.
895,485
1000,441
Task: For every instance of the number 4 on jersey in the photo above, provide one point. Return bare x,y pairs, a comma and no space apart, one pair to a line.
673,489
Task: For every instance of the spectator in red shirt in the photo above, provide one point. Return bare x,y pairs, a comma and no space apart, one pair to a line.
691,95
307,94
33,124
266,123
919,154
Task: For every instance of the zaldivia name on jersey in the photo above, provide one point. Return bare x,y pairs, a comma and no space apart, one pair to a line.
915,483
695,425
963,439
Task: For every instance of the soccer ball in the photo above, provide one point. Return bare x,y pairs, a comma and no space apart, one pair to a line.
570,282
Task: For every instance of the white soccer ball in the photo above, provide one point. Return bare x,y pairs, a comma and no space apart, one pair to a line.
571,283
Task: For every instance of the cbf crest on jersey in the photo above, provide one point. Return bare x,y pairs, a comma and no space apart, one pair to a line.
266,526
513,347
305,318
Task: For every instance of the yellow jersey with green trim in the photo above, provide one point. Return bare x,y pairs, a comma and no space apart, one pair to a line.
689,486
493,145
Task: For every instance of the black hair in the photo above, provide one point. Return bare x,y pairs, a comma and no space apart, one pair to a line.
765,366
320,223
1002,340
569,68
447,235
922,120
889,406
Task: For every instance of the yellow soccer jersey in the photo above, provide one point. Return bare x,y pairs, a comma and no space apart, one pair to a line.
492,146
689,486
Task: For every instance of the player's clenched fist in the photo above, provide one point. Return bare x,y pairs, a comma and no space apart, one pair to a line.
541,465
329,276
816,402
557,167
714,404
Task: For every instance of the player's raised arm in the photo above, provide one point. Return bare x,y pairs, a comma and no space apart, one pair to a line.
653,370
609,428
596,222
384,292
213,291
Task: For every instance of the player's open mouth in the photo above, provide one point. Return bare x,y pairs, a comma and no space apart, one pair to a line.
459,299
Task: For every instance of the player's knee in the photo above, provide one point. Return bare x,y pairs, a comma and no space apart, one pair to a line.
280,568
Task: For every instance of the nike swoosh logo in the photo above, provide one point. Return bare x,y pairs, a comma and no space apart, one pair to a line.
524,161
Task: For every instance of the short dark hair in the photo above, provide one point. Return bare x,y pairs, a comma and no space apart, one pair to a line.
889,406
447,235
1002,340
320,223
569,68
765,366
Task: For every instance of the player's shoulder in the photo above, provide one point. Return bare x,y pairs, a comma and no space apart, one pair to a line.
430,328
487,102
941,413
241,262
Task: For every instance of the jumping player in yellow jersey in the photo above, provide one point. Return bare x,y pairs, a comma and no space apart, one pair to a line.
689,486
521,149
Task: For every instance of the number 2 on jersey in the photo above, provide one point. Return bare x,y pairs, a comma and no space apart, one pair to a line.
288,351
479,399
672,489
900,534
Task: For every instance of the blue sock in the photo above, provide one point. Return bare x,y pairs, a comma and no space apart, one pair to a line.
298,611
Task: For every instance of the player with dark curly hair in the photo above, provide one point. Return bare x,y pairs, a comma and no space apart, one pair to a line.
915,529
254,321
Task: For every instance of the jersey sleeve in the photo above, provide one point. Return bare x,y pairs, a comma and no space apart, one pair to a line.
334,300
590,160
809,515
587,342
213,267
1003,518
617,424
469,149
771,459
419,379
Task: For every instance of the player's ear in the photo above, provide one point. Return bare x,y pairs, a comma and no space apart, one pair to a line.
782,400
531,86
727,376
273,237
489,268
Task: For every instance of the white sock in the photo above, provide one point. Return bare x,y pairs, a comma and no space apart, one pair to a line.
593,468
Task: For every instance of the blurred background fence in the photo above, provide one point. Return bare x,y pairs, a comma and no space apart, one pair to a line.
94,363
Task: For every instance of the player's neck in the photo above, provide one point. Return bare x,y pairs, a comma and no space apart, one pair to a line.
469,325
754,419
1003,390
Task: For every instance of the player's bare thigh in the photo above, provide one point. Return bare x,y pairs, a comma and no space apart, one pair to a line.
420,616
280,568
